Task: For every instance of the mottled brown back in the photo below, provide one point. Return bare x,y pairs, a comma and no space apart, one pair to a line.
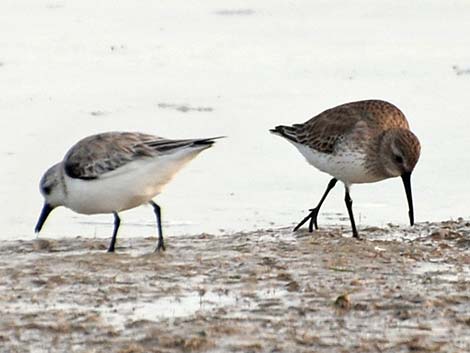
323,131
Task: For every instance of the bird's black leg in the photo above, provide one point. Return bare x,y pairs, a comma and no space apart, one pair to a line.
158,215
117,222
348,200
314,211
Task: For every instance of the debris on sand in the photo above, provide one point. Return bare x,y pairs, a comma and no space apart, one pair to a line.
343,302
403,290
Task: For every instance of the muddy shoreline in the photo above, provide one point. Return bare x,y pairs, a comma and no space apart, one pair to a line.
400,289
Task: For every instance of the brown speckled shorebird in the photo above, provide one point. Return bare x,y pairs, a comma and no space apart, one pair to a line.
358,142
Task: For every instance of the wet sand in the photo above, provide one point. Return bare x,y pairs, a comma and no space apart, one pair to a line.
400,289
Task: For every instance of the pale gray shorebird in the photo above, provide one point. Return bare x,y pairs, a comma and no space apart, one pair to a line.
358,142
116,171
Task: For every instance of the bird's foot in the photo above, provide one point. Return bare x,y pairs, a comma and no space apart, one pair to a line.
160,247
356,236
312,216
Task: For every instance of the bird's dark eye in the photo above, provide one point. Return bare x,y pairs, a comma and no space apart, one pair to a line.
46,190
398,159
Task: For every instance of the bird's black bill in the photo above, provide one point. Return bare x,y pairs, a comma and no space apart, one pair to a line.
42,218
407,183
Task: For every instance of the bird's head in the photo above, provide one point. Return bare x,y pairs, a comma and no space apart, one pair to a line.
399,152
53,192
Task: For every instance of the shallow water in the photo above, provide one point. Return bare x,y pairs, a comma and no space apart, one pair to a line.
192,69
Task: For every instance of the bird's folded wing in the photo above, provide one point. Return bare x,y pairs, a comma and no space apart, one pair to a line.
99,154
322,132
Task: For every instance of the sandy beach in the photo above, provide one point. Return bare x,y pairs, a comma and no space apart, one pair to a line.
399,289
234,278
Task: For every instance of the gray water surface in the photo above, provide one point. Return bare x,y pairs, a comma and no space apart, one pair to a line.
185,69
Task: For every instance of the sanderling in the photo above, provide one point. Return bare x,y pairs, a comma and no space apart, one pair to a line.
358,142
116,171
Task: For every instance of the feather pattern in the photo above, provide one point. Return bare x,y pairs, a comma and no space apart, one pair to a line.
326,130
99,154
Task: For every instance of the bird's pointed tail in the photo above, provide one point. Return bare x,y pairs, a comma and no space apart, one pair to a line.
288,132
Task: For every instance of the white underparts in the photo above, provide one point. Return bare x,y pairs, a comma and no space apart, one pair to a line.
347,166
127,187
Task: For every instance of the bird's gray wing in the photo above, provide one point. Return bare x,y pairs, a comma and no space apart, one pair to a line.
96,155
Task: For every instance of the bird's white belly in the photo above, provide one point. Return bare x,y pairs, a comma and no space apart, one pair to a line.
126,187
347,166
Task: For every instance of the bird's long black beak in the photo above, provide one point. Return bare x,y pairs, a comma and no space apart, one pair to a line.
42,218
407,183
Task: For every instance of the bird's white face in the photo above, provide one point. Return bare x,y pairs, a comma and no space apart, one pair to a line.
51,188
